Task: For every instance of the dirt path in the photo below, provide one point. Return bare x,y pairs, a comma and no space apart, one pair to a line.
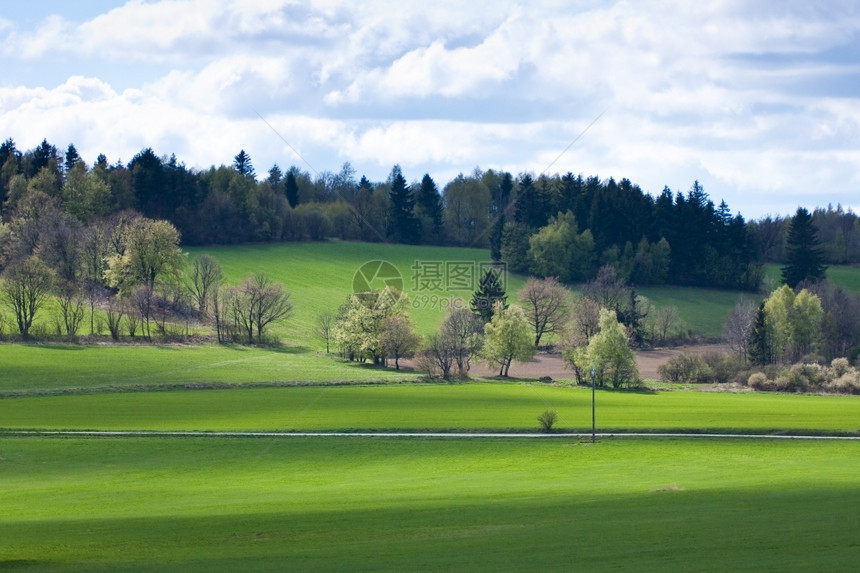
551,364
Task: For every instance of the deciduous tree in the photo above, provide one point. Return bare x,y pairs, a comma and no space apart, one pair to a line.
27,287
547,305
507,337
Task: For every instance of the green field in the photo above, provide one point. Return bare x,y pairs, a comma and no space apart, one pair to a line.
320,277
436,407
386,504
29,369
351,504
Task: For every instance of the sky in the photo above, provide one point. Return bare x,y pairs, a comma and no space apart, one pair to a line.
758,101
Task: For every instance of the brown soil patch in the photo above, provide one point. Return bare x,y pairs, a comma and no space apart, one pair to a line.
552,365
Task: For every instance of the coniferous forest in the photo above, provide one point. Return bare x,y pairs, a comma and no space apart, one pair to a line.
566,226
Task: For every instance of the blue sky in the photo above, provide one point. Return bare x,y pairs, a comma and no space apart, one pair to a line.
759,101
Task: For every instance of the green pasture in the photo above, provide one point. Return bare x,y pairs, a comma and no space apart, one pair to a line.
703,310
320,276
845,276
434,407
44,368
352,504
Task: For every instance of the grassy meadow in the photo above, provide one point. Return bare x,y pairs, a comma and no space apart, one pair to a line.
433,407
351,504
320,276
413,504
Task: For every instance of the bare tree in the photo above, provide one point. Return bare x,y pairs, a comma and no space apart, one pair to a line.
398,338
738,326
28,285
666,320
462,333
584,322
70,303
437,358
325,327
143,297
258,302
607,289
115,312
547,305
204,279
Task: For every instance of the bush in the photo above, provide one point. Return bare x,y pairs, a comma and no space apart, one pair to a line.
689,368
547,420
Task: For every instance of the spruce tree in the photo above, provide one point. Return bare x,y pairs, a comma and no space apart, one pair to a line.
291,188
758,347
429,201
490,290
804,259
403,227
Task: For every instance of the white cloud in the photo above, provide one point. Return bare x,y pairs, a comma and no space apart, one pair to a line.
717,90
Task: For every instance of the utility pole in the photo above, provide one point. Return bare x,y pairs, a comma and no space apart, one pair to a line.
593,422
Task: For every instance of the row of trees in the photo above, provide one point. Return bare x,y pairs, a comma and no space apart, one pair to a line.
681,238
129,272
818,322
375,326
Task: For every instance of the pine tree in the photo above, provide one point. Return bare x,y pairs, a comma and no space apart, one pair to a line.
429,202
490,290
72,157
242,164
403,227
291,189
758,347
804,259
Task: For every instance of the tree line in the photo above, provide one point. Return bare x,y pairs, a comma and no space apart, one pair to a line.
550,225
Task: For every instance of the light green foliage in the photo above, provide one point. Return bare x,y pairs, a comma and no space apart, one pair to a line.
507,337
85,195
359,326
793,323
559,250
609,354
150,251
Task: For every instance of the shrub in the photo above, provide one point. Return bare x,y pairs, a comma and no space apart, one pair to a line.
725,367
758,381
547,420
690,368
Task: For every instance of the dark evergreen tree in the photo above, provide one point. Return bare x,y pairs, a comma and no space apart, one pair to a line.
495,238
403,227
804,259
149,184
758,348
291,188
242,164
275,176
531,208
72,157
41,157
429,202
490,290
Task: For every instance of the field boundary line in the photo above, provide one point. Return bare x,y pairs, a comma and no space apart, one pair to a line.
459,435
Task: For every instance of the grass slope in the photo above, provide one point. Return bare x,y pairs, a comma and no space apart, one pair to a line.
347,504
37,368
320,276
471,407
